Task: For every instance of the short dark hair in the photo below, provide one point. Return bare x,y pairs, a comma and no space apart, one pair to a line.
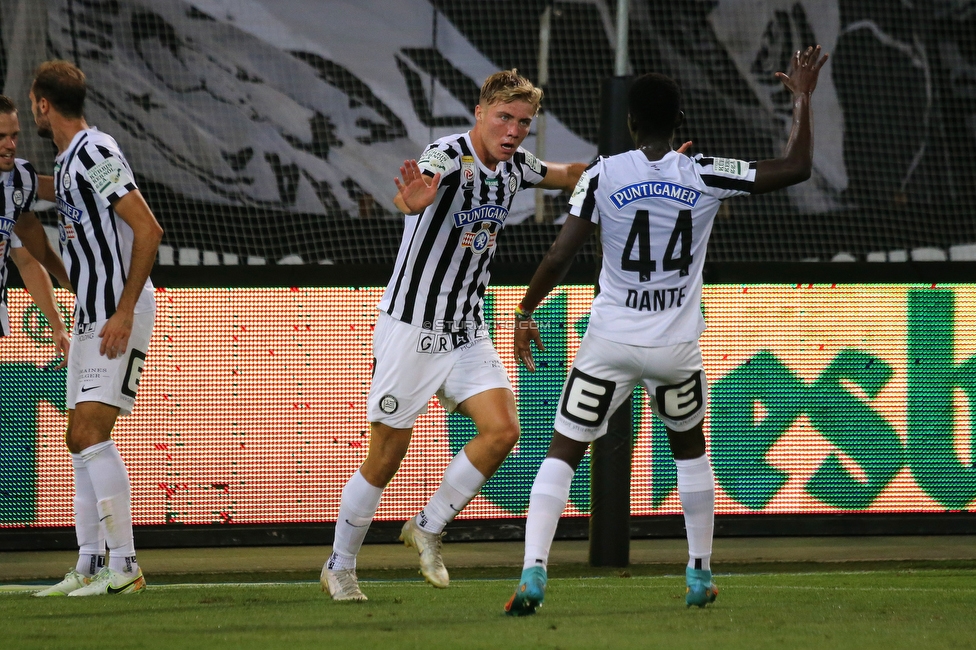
654,101
62,83
7,105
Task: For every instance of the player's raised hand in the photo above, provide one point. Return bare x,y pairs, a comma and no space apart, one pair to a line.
416,190
804,71
527,333
685,148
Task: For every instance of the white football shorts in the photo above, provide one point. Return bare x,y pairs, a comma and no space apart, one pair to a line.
411,364
93,377
604,374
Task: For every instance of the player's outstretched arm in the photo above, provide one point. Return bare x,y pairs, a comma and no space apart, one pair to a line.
551,271
31,232
562,176
146,235
416,192
796,162
38,284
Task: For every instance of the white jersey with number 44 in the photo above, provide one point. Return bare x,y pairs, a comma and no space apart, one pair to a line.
656,217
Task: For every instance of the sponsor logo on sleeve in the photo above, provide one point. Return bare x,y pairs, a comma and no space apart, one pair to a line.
730,167
435,161
108,177
580,191
531,161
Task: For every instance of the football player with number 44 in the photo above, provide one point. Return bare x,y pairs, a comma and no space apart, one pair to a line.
656,208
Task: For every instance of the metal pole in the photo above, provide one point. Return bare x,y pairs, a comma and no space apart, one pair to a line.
610,456
545,30
620,60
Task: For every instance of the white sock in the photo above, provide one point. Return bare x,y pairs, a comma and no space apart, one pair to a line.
696,489
91,543
460,483
550,492
356,510
110,481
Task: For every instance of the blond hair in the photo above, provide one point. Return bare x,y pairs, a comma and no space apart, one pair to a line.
509,86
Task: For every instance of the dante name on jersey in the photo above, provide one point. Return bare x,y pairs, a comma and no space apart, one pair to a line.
443,265
656,217
19,195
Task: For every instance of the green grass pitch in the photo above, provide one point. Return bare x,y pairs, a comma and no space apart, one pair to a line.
918,609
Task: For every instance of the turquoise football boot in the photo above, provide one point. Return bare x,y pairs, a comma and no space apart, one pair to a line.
701,590
530,592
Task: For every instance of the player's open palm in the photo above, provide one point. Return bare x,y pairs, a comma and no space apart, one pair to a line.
416,190
804,71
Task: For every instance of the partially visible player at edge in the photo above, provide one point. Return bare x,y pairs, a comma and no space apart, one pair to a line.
22,237
109,238
656,209
431,337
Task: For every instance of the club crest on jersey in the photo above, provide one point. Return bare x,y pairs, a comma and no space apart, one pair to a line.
512,183
480,239
65,232
467,170
68,211
655,190
495,213
66,182
18,197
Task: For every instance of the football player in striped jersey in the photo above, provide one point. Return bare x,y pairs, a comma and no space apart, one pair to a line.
109,238
655,207
431,336
22,237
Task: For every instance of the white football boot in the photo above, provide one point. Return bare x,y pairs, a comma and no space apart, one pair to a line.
428,546
109,582
72,581
342,585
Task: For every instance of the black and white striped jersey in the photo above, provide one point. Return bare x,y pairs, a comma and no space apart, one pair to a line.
96,245
656,217
19,194
444,262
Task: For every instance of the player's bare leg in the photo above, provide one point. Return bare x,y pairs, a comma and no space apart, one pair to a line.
696,489
360,498
496,419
